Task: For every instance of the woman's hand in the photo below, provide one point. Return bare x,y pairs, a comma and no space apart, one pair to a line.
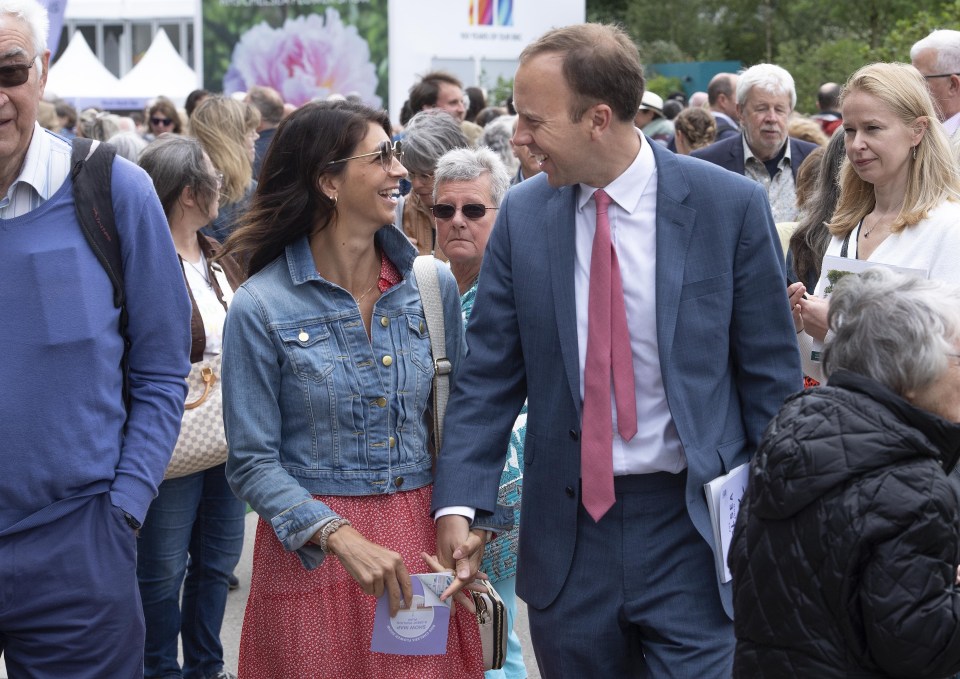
795,293
376,569
814,311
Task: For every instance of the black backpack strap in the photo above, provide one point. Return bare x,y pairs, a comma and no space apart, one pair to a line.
91,169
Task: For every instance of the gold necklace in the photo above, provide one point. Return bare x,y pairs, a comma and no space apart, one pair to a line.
360,298
866,234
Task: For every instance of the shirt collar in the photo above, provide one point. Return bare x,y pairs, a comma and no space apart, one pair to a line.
724,116
951,124
627,189
748,154
34,163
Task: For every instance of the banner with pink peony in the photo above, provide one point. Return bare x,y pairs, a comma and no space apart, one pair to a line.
304,49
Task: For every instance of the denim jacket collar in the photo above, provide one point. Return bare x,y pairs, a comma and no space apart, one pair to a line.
391,241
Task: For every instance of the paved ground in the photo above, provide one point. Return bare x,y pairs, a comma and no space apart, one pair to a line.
237,601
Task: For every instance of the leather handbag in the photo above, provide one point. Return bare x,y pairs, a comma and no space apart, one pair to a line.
202,443
492,618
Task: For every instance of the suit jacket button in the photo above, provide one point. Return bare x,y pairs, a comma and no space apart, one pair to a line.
574,434
398,481
569,489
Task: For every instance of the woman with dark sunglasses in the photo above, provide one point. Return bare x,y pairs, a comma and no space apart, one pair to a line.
327,378
162,117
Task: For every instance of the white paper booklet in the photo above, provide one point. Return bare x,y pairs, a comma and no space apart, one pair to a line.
724,494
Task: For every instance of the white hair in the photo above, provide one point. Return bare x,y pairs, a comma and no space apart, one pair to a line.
34,15
769,78
893,328
946,44
467,164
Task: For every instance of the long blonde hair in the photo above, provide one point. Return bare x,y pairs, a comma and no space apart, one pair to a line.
932,174
221,125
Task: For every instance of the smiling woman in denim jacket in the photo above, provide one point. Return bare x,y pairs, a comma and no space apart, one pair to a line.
327,373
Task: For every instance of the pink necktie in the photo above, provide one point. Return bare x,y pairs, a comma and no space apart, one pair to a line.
608,356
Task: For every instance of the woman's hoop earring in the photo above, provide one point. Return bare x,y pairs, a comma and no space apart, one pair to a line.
333,199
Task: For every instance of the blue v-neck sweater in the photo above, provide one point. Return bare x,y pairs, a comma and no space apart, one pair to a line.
62,433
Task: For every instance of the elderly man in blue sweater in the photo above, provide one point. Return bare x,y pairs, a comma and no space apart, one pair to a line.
78,464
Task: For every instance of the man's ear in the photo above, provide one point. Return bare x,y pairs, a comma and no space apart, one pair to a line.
599,117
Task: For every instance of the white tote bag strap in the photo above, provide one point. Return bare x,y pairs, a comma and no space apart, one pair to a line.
425,269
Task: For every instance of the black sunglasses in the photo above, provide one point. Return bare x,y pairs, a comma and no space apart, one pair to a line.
940,75
11,76
161,121
385,150
470,210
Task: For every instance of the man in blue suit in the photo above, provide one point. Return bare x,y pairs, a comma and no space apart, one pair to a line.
631,588
722,99
766,96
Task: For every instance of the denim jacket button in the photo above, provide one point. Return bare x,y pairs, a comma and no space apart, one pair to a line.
398,481
393,442
303,337
384,321
382,402
388,360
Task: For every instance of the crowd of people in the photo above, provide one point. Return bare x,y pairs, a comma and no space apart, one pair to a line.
639,295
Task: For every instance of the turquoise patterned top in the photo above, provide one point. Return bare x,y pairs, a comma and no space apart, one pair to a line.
500,556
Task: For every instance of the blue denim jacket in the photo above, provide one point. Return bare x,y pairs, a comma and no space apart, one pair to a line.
314,407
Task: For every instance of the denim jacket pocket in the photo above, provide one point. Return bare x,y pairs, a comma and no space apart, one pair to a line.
308,349
420,350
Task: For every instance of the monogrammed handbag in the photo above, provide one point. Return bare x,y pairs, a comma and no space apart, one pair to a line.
202,443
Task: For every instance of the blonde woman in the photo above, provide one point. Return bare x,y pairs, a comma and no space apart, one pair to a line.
227,130
899,189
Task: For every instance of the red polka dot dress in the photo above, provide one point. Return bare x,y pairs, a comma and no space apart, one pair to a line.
318,624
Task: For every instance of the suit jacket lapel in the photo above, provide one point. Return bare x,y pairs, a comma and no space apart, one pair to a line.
674,230
558,215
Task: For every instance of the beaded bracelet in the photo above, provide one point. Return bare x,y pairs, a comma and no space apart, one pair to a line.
329,529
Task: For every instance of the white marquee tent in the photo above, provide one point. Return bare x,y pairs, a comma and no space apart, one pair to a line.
80,78
161,71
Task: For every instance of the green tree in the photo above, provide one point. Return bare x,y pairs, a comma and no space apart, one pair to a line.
813,65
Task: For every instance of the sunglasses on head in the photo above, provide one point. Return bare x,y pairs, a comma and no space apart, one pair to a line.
161,121
385,150
470,210
11,76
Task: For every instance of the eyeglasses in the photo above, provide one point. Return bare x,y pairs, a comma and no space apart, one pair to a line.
940,75
161,121
470,210
12,76
419,176
385,150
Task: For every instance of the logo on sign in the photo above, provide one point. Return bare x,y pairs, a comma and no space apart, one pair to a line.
491,12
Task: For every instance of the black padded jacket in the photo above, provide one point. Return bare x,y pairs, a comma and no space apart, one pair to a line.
846,549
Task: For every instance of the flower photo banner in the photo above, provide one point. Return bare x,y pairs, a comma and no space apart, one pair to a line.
304,50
